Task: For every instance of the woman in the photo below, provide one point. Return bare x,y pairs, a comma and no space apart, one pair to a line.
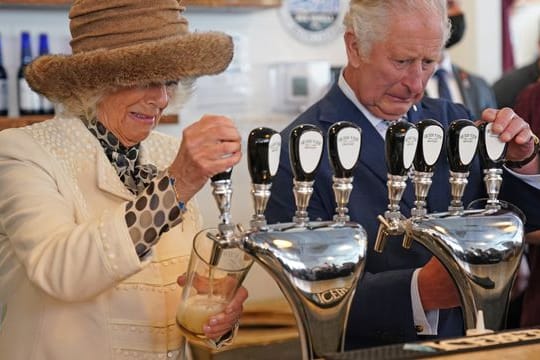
96,221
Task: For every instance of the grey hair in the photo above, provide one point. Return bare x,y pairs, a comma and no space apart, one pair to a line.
369,19
86,107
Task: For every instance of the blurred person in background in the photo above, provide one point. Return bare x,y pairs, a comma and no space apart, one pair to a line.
513,82
528,107
454,83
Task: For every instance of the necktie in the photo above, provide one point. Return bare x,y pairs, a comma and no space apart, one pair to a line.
444,90
135,176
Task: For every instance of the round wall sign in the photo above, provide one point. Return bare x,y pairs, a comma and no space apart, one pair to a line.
314,21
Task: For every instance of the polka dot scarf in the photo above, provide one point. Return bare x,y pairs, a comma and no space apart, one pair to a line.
134,175
155,210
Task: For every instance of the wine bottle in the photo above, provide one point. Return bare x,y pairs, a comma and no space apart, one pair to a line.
45,106
3,86
28,99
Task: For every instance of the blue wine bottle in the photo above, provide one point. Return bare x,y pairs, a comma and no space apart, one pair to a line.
45,106
28,99
3,86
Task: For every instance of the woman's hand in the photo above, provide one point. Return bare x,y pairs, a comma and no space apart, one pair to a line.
209,146
219,324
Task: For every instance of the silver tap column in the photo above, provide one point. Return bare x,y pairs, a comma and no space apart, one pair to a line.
492,152
431,140
264,148
222,191
344,141
480,248
305,152
401,142
317,265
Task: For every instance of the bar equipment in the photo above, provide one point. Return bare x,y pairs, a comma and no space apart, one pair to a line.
481,248
317,265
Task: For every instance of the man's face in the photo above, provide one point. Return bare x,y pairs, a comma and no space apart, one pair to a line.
392,78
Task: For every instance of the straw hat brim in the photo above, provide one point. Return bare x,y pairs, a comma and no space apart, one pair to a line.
59,77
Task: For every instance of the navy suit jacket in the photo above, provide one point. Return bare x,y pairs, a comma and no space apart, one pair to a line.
381,312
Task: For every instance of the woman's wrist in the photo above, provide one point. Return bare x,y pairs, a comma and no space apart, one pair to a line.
179,198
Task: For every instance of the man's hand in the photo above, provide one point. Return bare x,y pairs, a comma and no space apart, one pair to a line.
515,131
436,287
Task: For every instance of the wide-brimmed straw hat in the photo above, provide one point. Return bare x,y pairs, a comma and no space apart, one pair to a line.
118,43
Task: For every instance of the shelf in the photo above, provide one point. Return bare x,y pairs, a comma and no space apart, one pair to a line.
12,122
233,3
194,3
36,3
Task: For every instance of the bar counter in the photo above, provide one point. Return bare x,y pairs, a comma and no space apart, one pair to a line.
282,342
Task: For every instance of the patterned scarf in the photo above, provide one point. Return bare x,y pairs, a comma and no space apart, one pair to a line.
135,176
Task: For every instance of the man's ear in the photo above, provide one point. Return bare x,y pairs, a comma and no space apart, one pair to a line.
353,50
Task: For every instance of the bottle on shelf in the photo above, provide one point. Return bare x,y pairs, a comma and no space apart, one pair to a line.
3,86
28,99
45,106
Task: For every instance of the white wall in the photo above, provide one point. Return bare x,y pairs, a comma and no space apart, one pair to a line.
525,26
480,50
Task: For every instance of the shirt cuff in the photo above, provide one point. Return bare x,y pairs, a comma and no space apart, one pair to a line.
533,180
425,322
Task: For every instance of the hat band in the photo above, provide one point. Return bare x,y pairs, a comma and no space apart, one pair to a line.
96,26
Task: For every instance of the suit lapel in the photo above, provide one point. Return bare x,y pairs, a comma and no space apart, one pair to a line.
108,179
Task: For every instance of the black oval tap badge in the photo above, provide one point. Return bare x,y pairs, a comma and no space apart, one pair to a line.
313,21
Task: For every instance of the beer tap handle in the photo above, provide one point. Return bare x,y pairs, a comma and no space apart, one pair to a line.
491,149
461,145
305,152
492,153
431,139
263,150
344,142
401,143
222,176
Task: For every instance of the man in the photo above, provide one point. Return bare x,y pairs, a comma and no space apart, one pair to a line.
392,50
512,83
461,86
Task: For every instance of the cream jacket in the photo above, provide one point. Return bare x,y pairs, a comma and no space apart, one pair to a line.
73,285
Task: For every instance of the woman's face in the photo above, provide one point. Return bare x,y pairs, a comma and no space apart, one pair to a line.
131,113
